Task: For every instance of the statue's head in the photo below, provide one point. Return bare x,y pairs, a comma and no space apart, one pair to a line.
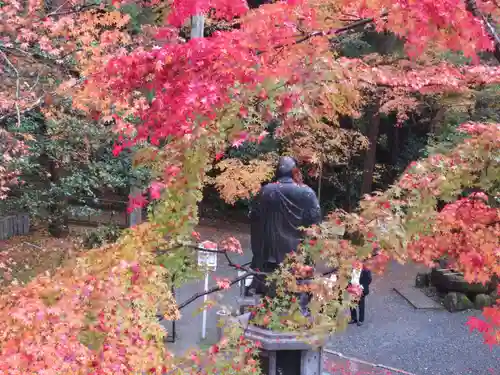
286,166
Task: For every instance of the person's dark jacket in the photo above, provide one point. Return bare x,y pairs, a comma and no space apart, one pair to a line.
365,279
276,215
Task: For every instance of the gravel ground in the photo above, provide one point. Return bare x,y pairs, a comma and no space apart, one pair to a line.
422,342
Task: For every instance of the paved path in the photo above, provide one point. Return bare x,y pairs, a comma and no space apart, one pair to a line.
339,364
188,329
422,342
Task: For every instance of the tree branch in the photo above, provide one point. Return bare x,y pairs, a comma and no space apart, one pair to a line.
248,272
72,10
35,56
471,7
212,290
18,84
35,104
224,252
331,32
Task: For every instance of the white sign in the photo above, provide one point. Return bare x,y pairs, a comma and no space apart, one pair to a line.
247,280
207,259
338,230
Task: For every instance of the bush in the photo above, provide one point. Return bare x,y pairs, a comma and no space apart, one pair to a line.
101,236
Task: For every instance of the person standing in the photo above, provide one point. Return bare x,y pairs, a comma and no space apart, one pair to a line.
365,278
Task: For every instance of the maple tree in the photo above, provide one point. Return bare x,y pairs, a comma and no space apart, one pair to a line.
185,102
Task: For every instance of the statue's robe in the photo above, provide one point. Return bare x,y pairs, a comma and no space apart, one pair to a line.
277,213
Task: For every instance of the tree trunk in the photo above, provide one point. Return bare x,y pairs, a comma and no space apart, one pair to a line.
58,219
490,28
394,143
135,217
57,209
370,156
437,120
388,43
197,26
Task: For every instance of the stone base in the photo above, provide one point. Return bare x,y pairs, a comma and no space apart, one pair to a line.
292,362
455,301
284,353
247,302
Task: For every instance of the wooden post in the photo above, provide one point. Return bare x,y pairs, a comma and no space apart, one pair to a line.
135,217
197,26
371,153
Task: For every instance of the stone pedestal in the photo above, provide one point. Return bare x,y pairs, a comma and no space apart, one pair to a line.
291,362
284,353
244,303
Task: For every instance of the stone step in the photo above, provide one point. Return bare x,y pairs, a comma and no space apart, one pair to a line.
417,298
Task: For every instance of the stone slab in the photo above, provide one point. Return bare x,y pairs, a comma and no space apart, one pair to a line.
417,298
271,340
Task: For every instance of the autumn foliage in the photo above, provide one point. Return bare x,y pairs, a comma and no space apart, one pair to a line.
405,222
183,103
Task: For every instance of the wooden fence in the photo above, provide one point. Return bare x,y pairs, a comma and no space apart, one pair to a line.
110,212
14,225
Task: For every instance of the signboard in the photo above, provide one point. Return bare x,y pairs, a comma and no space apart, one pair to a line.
207,259
338,230
247,280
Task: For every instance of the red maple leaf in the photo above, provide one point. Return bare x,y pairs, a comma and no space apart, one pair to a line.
475,323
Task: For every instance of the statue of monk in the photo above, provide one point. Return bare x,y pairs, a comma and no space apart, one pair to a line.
277,212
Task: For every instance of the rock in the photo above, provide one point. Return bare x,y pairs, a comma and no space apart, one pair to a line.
422,280
443,263
446,280
482,300
454,301
494,296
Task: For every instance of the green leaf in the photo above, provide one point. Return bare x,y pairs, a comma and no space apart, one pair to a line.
92,339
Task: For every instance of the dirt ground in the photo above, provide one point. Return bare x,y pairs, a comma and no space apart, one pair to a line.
24,257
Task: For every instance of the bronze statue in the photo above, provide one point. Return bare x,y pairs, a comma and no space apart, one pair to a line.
277,212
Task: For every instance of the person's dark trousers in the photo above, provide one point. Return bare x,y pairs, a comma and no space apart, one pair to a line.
365,280
361,307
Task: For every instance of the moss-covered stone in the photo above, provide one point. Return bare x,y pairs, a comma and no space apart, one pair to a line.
454,301
494,295
482,300
446,280
422,280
